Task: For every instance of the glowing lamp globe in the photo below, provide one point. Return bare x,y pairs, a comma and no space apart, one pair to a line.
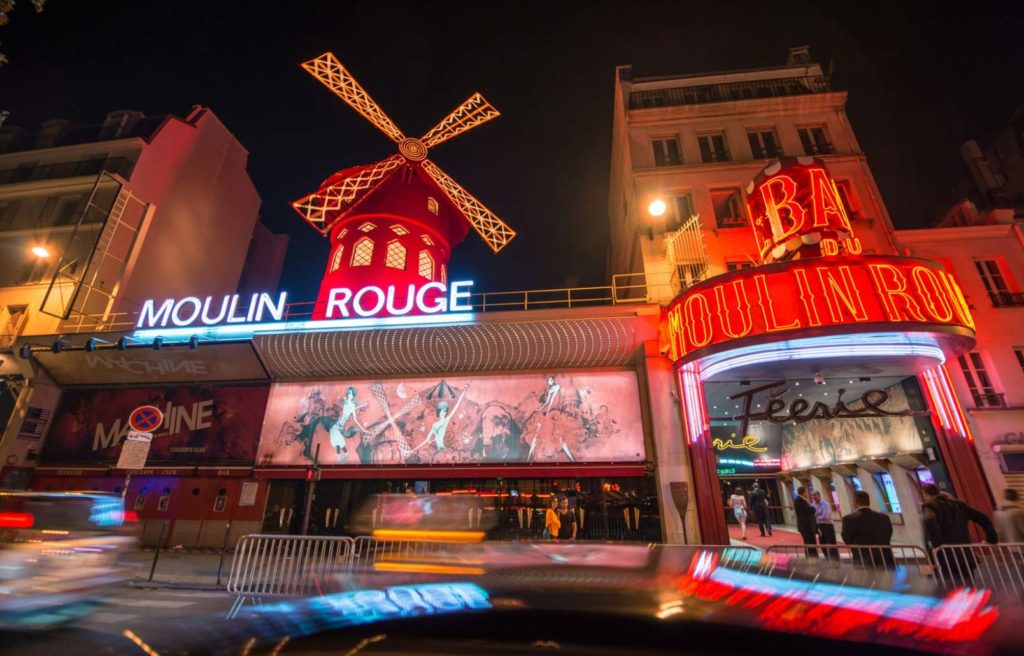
657,207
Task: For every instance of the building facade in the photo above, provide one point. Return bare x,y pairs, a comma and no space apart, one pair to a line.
92,220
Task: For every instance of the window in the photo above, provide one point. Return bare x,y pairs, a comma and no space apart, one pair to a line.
995,284
8,211
683,212
924,476
848,198
367,227
854,482
728,205
336,260
764,144
814,140
363,252
426,265
444,274
341,235
1019,352
666,151
427,240
979,382
399,229
713,147
432,206
395,258
887,493
739,265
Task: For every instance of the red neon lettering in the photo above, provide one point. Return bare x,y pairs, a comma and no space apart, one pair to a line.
783,200
829,247
770,321
853,246
807,297
742,305
845,293
703,320
895,287
932,293
676,343
825,200
963,311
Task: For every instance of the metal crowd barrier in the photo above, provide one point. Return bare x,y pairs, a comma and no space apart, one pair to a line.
873,558
284,565
995,567
369,551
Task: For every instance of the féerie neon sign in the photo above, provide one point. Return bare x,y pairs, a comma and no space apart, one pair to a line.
371,301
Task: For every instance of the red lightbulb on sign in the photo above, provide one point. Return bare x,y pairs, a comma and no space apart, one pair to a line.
796,212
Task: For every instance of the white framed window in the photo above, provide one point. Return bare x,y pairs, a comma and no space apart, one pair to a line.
764,144
426,265
995,282
395,256
667,151
682,208
713,147
362,254
336,260
815,141
728,204
979,382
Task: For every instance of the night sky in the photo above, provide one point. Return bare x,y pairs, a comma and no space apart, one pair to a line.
921,80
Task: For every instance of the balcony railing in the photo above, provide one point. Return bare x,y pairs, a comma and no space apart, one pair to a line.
729,91
989,400
119,165
1007,299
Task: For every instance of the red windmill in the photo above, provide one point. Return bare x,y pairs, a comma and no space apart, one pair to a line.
395,222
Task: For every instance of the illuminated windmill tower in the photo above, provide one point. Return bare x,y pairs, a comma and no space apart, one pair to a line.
396,221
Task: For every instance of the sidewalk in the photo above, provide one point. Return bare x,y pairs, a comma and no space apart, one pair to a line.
178,569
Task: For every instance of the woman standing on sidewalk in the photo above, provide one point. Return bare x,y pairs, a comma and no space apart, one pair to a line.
740,509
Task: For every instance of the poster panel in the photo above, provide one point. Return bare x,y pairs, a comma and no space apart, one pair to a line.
522,418
202,424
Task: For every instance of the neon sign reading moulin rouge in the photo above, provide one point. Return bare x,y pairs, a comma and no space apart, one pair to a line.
343,303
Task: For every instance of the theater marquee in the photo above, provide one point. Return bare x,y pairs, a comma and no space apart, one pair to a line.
821,295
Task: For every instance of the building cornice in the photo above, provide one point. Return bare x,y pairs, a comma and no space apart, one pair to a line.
802,104
994,231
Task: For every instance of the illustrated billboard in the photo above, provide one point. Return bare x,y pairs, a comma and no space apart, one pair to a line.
524,418
201,424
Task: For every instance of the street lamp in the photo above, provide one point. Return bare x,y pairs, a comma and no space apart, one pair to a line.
657,207
40,252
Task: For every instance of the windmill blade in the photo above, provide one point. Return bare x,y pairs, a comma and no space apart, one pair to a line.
333,75
317,206
493,230
471,113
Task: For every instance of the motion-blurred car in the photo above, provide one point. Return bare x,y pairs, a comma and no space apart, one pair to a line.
59,554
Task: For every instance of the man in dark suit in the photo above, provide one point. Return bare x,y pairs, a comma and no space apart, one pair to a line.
864,526
806,524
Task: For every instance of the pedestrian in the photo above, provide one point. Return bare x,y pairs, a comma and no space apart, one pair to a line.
759,507
566,521
946,523
740,510
806,524
826,529
551,523
865,526
1009,519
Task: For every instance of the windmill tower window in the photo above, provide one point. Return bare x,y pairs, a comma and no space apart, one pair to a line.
399,229
432,205
427,240
426,265
336,260
367,227
363,252
341,235
395,258
444,274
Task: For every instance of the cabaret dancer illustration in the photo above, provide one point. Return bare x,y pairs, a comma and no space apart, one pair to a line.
553,393
440,427
302,428
341,432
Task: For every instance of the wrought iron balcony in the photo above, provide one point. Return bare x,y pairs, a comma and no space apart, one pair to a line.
989,400
1007,299
119,165
729,91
